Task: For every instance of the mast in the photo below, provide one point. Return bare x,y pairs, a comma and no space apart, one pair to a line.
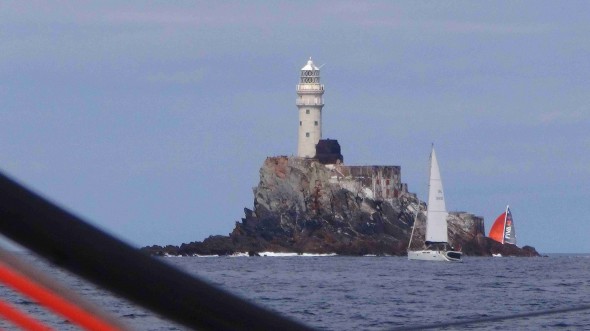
414,225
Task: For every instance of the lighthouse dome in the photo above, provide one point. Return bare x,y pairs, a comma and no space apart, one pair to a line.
310,66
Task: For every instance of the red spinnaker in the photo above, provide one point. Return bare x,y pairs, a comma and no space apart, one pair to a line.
497,230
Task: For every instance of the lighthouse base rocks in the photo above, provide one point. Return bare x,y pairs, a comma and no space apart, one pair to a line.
304,206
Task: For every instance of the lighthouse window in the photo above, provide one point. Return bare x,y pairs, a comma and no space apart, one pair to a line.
307,134
315,123
307,111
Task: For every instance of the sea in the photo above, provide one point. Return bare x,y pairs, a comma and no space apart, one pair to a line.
369,292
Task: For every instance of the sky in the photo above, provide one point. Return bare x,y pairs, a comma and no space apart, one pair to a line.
151,119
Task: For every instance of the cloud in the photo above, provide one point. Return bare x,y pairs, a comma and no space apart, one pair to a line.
448,26
212,15
180,77
158,17
470,27
564,116
490,165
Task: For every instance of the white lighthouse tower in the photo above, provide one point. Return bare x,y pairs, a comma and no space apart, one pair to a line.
310,104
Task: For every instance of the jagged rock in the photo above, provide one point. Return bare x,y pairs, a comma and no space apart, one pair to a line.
484,246
303,206
161,251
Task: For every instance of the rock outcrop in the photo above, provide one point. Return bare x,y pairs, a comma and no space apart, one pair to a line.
303,206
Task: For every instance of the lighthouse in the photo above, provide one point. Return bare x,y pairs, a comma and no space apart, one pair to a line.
310,104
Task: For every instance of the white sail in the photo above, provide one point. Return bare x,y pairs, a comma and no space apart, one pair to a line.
437,245
436,226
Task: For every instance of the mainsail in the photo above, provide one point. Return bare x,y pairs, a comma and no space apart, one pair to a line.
436,226
503,229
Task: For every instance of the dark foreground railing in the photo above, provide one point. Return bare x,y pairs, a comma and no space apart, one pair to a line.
81,248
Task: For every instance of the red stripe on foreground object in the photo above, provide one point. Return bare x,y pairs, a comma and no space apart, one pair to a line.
22,320
52,301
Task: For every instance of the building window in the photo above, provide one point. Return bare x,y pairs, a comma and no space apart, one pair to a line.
307,134
378,182
300,123
387,182
307,111
315,123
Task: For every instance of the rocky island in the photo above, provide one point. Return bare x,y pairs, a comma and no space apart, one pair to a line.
313,203
304,205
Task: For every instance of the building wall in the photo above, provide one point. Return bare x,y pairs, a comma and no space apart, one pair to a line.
376,182
310,130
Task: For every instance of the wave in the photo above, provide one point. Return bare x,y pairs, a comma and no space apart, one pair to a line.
279,254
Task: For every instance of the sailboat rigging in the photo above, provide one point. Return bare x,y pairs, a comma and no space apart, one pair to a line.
437,247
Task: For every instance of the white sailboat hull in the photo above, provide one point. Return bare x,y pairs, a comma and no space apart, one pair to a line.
435,255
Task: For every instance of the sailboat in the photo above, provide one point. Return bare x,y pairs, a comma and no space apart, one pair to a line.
503,229
437,247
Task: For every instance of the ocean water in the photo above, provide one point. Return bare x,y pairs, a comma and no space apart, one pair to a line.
370,293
